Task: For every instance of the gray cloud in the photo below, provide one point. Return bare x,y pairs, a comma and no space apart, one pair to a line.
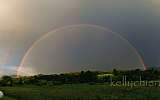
23,21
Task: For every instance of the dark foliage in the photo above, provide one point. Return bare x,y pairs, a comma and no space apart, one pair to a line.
90,77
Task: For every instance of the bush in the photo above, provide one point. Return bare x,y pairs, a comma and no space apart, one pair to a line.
57,83
92,83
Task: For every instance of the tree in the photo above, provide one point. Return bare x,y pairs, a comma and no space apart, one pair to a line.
7,81
115,72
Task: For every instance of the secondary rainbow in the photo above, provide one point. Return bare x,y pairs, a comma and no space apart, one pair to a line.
77,25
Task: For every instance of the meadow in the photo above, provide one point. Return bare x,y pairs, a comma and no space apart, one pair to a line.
80,92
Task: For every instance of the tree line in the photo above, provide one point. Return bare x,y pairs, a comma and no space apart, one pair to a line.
90,77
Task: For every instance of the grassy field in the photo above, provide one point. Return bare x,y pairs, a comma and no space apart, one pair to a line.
81,92
8,98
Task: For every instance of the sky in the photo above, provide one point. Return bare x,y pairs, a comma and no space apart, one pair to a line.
24,21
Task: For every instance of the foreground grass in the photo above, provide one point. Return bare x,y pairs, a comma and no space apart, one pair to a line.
81,92
8,98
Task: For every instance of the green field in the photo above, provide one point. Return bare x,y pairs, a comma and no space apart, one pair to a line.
80,92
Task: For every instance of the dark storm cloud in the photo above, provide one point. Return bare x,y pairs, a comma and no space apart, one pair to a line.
23,21
136,20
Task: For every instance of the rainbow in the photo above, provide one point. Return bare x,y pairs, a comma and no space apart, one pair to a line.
77,25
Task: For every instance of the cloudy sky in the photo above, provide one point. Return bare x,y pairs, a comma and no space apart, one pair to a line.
24,21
